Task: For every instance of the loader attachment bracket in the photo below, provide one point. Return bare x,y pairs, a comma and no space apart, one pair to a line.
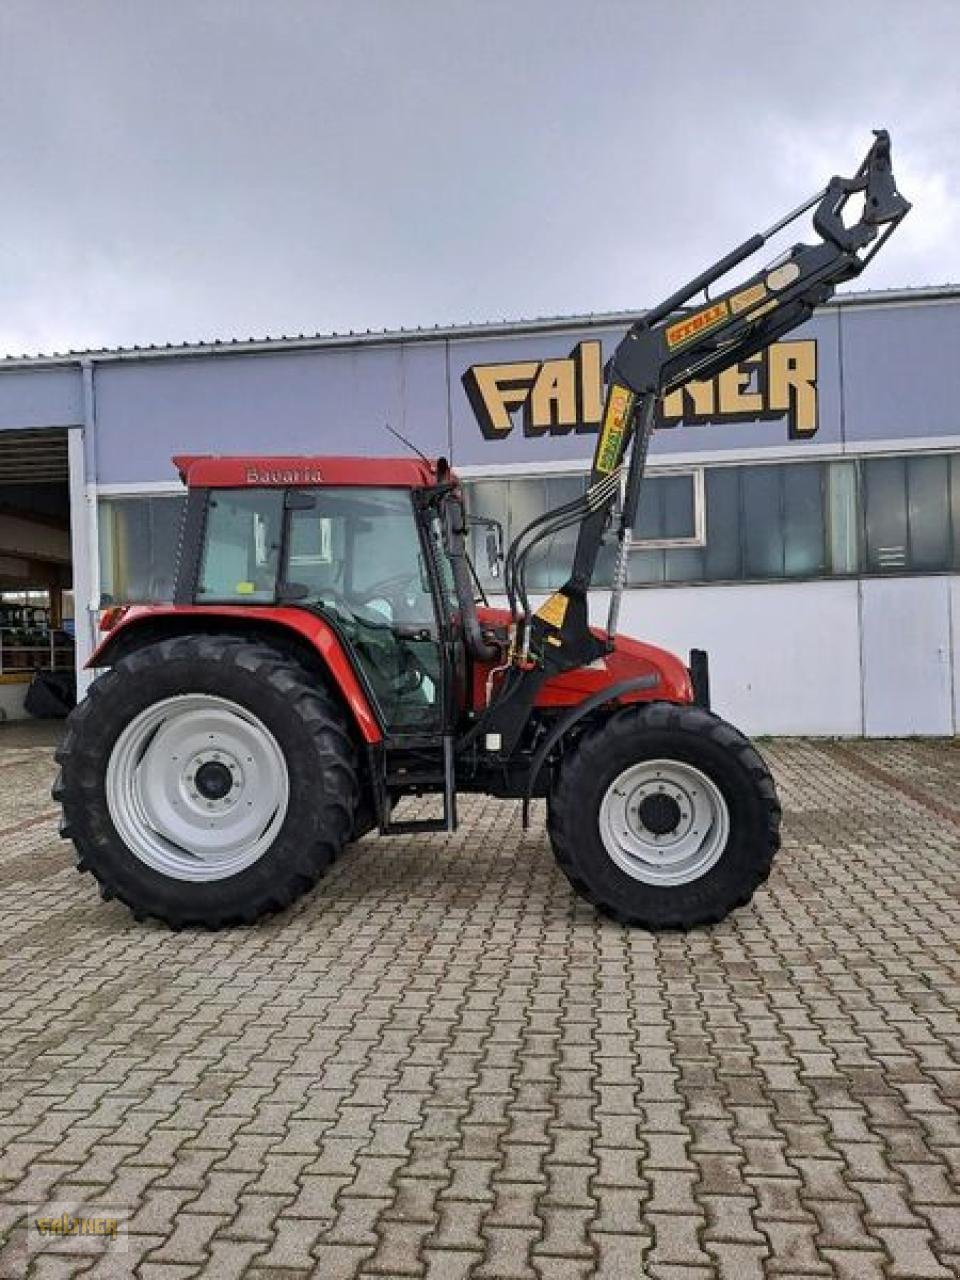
883,203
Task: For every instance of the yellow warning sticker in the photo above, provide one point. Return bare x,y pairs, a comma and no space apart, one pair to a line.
246,588
692,326
554,610
615,423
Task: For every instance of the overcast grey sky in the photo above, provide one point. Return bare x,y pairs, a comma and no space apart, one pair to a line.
185,169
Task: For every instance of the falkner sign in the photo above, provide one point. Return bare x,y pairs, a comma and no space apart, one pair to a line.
555,397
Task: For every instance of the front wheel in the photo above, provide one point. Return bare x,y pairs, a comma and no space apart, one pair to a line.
664,816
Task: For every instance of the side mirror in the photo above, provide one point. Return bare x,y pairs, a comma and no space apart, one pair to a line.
494,541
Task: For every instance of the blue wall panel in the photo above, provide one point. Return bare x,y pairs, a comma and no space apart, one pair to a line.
326,401
901,372
39,398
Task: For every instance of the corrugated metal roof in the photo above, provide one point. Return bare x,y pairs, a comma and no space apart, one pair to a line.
470,329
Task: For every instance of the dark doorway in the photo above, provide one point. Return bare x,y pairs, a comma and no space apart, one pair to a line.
36,573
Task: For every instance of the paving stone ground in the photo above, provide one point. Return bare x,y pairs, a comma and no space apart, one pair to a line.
441,1064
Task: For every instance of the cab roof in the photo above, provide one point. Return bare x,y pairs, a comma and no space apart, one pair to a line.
279,471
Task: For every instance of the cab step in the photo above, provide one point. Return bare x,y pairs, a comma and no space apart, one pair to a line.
432,778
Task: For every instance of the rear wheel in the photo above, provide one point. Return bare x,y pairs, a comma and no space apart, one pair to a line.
664,816
207,780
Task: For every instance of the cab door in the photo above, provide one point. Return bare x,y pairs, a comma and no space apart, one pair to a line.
357,556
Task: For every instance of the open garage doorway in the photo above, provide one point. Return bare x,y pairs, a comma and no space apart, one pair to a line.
37,628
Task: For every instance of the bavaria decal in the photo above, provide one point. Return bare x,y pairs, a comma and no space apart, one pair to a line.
289,475
562,395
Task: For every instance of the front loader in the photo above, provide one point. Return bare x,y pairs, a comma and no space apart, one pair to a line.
326,655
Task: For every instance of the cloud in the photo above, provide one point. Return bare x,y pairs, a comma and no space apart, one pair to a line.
224,168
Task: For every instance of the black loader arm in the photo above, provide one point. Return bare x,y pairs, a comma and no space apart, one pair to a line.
666,348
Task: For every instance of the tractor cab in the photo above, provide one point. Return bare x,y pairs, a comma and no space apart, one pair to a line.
365,552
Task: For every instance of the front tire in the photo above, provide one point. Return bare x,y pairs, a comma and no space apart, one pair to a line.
664,816
207,781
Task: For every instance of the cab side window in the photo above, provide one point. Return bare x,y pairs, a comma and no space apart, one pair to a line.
241,554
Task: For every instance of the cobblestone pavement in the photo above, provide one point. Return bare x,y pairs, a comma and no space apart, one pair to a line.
440,1064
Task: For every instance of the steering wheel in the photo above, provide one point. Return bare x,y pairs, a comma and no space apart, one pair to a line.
387,585
351,610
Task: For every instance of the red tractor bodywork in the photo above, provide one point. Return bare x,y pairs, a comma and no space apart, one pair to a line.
629,657
200,471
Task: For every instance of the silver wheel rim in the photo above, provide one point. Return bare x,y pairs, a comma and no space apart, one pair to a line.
671,858
197,787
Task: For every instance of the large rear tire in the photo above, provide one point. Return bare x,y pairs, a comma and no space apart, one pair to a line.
664,816
207,781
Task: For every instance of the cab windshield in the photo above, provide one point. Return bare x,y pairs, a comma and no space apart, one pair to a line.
358,552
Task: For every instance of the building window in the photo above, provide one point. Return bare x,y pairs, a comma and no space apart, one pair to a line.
907,509
671,514
928,514
722,558
760,522
139,537
671,511
885,514
757,522
842,517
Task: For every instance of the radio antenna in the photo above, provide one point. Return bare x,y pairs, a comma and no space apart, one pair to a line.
408,443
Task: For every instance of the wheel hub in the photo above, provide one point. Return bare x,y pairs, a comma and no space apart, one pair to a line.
214,780
664,822
659,813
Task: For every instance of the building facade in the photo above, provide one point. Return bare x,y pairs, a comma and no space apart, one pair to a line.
800,521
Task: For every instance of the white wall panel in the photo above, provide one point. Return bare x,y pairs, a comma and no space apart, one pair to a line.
907,660
784,658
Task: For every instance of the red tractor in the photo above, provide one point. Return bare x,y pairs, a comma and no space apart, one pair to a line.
327,654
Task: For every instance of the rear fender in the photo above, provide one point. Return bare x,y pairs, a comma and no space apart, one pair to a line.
303,632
